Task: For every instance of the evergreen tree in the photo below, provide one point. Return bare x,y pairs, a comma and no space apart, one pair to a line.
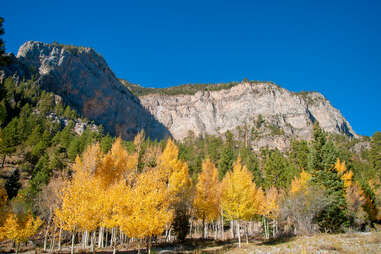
8,140
226,160
299,154
278,172
12,185
4,60
333,218
375,153
249,158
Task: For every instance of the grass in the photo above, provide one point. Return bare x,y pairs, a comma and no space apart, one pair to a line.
351,243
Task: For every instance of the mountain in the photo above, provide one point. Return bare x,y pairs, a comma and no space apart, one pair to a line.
262,112
85,82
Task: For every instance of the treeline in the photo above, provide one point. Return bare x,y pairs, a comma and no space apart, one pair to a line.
189,89
145,192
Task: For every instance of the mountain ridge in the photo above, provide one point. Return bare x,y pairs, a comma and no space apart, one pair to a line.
82,77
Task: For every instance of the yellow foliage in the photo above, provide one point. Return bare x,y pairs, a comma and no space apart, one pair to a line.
260,199
272,203
347,178
238,193
179,182
168,160
144,208
20,228
81,197
300,183
340,166
90,159
116,164
206,200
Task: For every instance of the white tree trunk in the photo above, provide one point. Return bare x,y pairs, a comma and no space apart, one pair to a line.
46,235
100,238
53,239
246,232
59,239
222,228
232,228
72,243
239,234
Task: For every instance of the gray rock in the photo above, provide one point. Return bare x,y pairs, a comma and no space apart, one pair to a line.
84,80
215,112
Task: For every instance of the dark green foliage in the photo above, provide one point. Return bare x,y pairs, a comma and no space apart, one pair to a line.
375,153
175,90
214,147
181,224
299,154
29,134
277,171
4,60
250,159
226,160
74,148
12,185
259,121
323,156
191,89
315,160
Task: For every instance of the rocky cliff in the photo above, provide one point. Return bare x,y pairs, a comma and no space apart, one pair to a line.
85,82
264,112
284,114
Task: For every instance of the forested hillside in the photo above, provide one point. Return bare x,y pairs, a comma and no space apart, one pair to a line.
66,183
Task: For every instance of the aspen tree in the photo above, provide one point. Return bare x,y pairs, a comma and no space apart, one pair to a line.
19,228
176,173
144,211
300,183
237,195
80,209
271,208
206,200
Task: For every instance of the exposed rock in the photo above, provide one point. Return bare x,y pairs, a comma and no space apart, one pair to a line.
215,112
84,81
79,125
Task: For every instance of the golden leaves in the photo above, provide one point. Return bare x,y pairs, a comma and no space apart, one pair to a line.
238,193
19,228
300,183
207,196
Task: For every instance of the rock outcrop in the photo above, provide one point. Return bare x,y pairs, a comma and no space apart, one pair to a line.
215,112
85,82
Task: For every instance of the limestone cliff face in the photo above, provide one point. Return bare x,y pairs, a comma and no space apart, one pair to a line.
85,81
215,112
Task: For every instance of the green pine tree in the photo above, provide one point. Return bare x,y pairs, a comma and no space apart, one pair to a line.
322,158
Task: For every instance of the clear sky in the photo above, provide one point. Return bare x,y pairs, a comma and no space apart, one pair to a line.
333,47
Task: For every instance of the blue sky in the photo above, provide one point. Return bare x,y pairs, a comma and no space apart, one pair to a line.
333,47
